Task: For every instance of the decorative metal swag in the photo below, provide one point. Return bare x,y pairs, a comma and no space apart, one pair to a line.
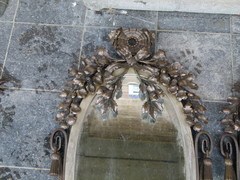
103,74
229,143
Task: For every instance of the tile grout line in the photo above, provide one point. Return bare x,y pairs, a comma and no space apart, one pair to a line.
6,21
58,25
20,167
110,27
46,24
82,39
30,89
179,31
10,38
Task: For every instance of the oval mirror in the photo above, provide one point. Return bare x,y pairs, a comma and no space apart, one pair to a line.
127,147
130,118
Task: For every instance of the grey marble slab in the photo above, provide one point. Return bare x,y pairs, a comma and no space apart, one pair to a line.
236,24
236,58
122,18
40,56
27,119
4,39
181,21
208,56
69,12
214,85
95,38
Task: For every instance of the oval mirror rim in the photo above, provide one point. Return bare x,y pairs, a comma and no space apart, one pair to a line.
181,125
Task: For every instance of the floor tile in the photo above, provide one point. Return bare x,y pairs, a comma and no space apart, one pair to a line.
69,12
4,34
236,58
194,22
10,11
197,50
206,56
40,56
24,174
236,24
214,85
122,18
215,128
26,122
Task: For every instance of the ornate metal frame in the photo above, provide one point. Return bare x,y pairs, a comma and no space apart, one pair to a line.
103,74
229,143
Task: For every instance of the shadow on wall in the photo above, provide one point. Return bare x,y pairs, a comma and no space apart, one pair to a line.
3,6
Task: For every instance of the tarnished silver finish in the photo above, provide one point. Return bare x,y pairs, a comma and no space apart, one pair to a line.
103,74
58,143
232,121
228,143
203,162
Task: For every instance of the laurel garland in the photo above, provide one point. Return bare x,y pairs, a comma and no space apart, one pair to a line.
232,120
103,74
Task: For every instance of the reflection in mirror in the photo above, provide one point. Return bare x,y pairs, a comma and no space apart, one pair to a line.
127,147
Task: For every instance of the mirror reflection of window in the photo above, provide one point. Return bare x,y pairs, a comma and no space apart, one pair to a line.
126,147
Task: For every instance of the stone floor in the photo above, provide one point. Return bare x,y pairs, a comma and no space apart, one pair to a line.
41,40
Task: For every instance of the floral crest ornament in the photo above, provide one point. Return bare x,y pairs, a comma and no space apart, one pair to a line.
103,74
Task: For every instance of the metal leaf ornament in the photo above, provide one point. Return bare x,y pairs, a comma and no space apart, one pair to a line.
232,120
104,74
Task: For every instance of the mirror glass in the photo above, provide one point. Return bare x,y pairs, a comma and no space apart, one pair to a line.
126,147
